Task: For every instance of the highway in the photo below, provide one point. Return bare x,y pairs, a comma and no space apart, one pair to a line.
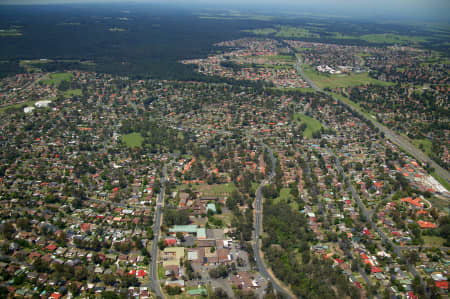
156,234
258,224
399,140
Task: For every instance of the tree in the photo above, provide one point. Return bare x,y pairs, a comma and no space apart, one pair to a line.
73,288
220,271
219,294
110,295
7,230
109,279
172,291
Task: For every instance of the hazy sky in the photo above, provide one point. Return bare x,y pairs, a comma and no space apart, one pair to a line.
423,9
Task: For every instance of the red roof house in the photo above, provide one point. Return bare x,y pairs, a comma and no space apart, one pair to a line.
51,247
441,284
170,241
376,270
55,296
426,224
141,273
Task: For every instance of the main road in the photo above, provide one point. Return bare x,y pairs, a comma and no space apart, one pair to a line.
257,231
156,233
391,135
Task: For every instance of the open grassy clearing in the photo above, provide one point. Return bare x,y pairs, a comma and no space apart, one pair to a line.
73,92
24,63
423,144
17,106
338,35
226,218
281,58
441,180
161,272
285,32
341,80
434,241
302,49
211,190
133,139
351,103
267,66
389,38
312,124
233,16
299,89
262,31
57,78
10,32
22,105
426,143
116,29
285,196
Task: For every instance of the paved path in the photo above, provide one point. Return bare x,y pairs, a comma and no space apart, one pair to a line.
258,224
399,140
156,234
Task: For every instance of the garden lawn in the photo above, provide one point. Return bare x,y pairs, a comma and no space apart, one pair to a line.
73,92
312,124
133,139
340,80
434,241
423,143
57,78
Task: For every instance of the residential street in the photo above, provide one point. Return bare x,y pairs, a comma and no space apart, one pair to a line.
391,135
156,233
258,224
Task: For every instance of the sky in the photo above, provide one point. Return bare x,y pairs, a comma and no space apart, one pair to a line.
413,9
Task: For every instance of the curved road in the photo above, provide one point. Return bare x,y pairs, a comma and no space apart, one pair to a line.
391,135
156,233
258,224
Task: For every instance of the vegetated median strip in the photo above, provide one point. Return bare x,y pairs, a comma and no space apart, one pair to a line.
370,116
440,173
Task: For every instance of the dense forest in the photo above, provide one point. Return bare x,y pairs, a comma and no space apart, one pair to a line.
287,249
142,40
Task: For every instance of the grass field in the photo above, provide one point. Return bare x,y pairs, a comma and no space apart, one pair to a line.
19,105
57,78
433,241
285,196
282,58
234,15
226,218
10,32
312,124
116,29
333,81
133,139
294,32
211,190
441,180
389,38
161,272
337,35
351,103
423,144
299,89
297,32
73,92
262,31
